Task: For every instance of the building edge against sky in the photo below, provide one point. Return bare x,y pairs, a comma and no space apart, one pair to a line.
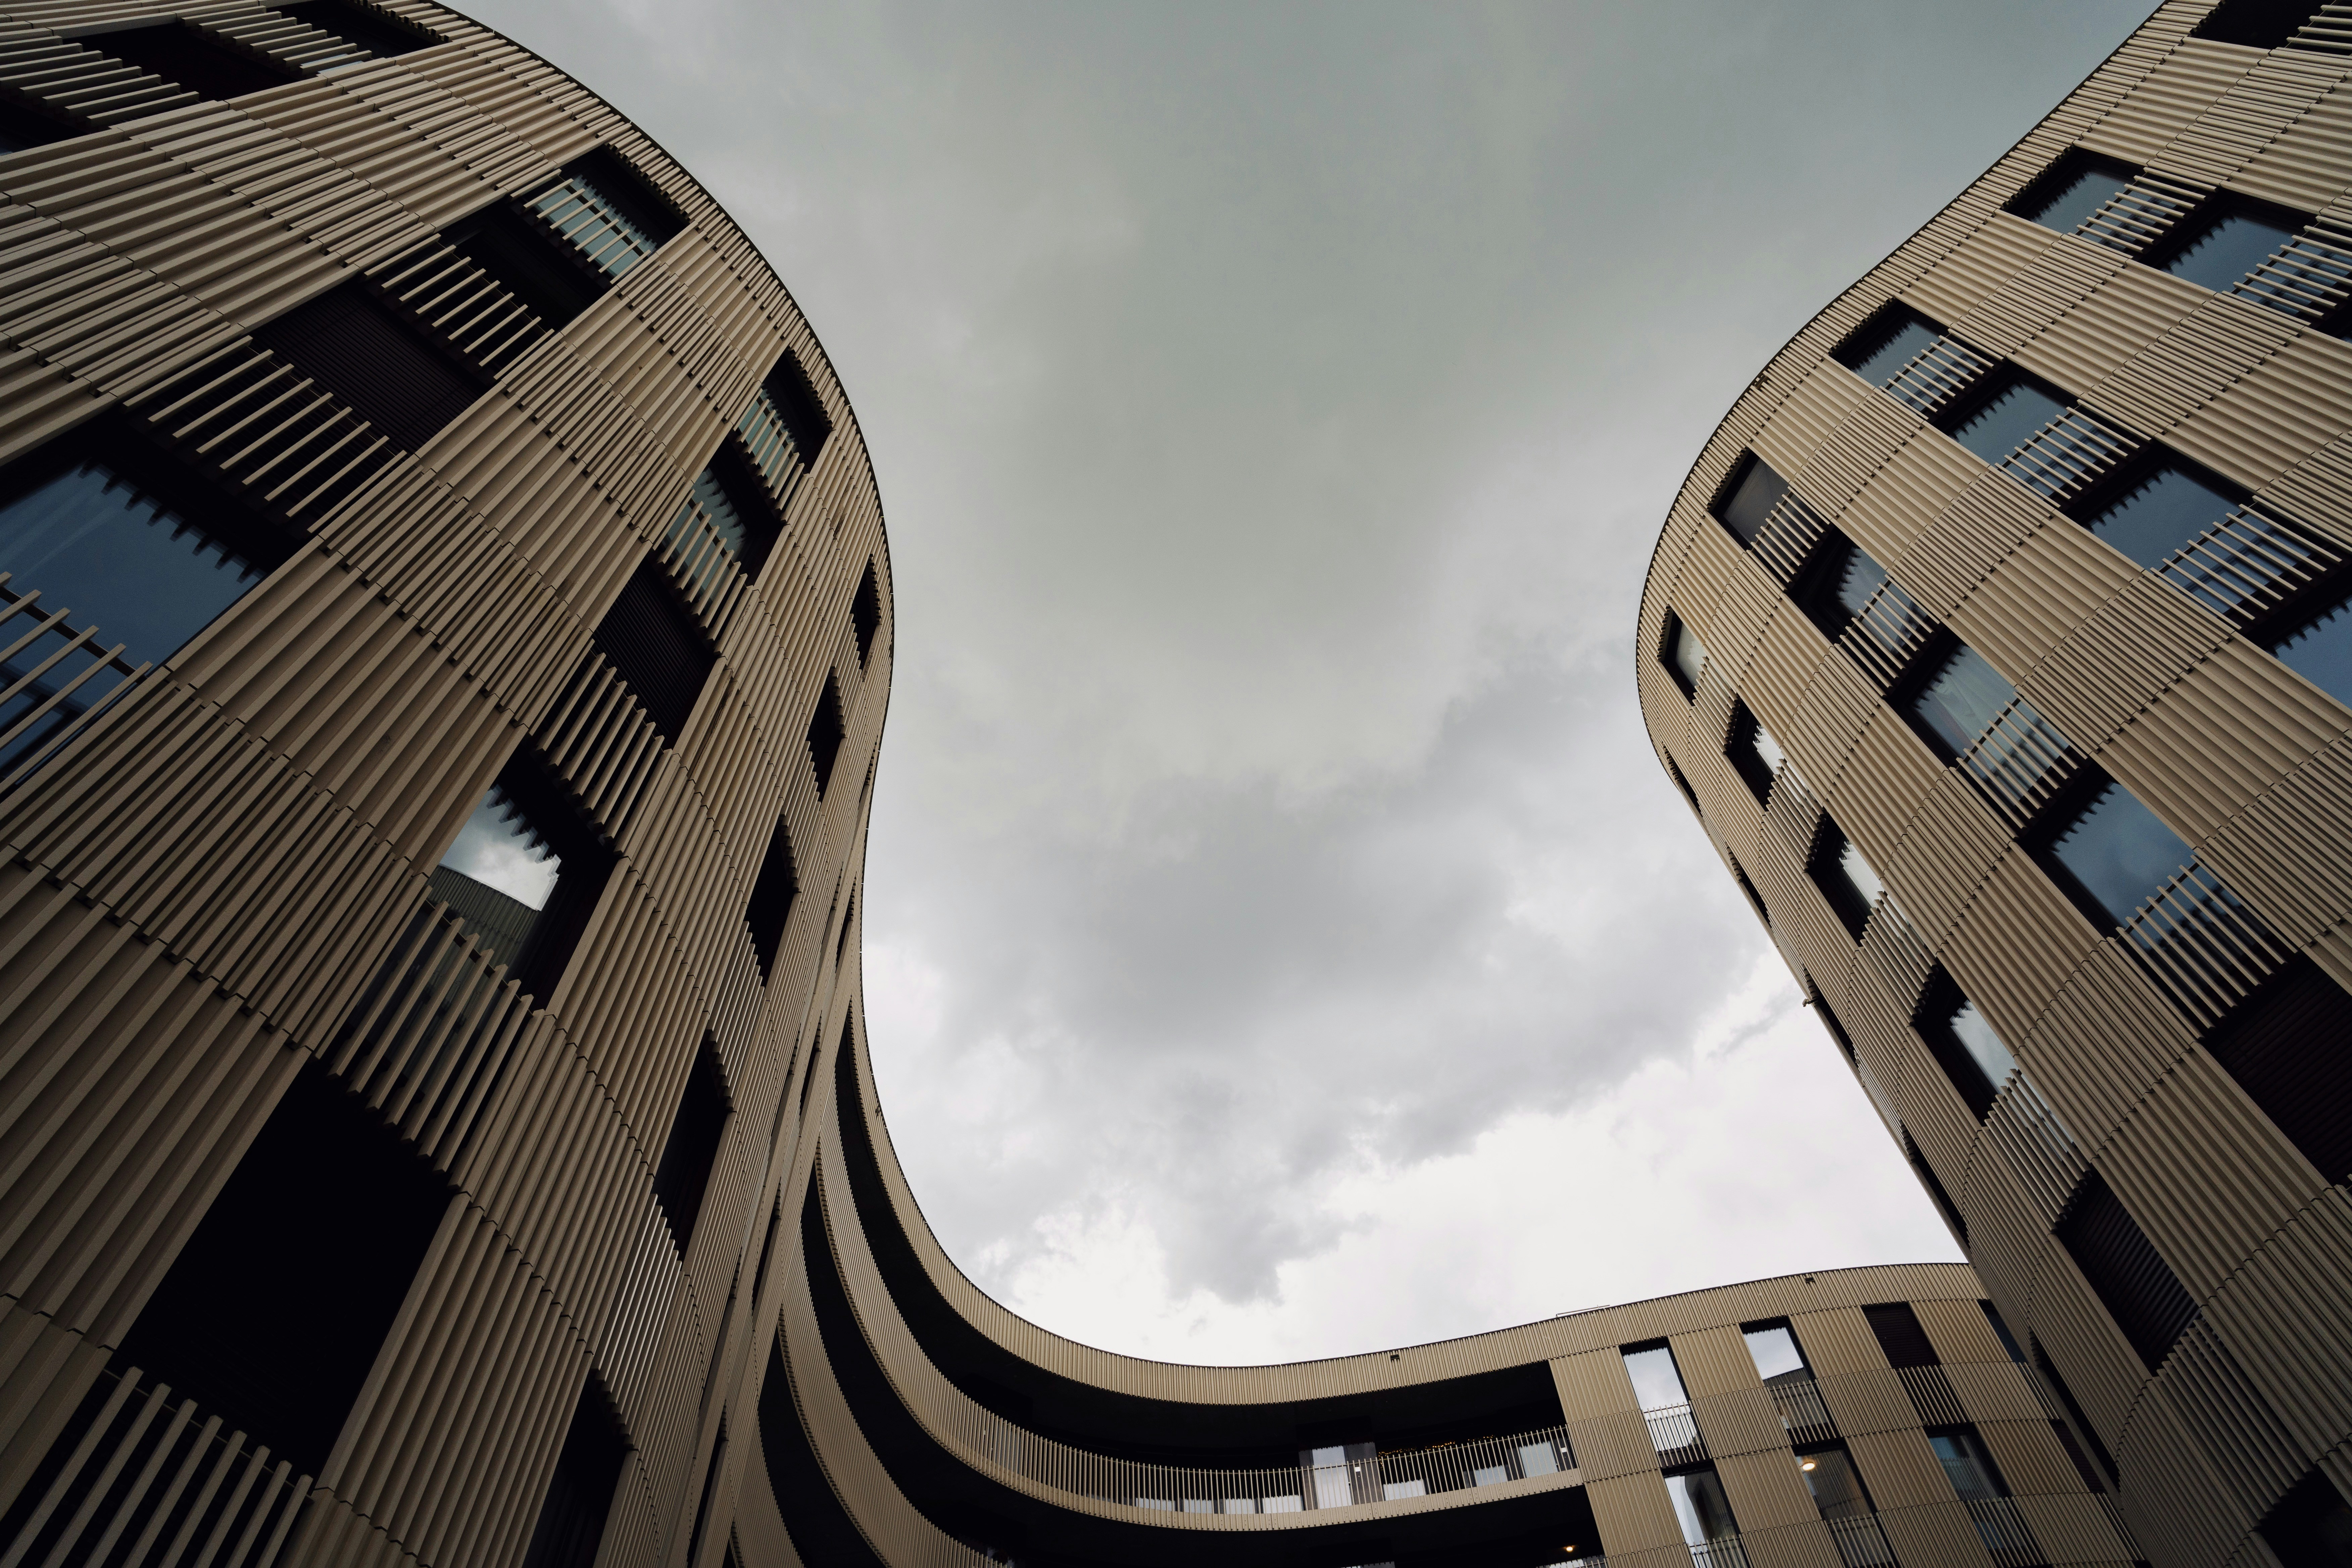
447,640
1999,639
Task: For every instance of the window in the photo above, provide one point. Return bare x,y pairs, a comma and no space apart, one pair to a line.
572,1519
376,34
1747,889
772,895
2227,240
786,426
1896,1329
1657,1382
1950,1211
658,647
1753,490
825,733
1683,655
1837,583
1844,877
1958,701
1773,1348
2073,189
729,504
1830,1477
1700,1507
1820,1006
1886,343
866,615
525,872
204,62
2319,649
26,121
2285,1048
2042,1364
524,257
272,1314
692,1147
2158,507
2141,1292
768,1247
2001,413
2254,23
1682,784
606,211
122,541
1755,755
401,379
2001,1331
2311,1526
1963,1043
709,1490
2110,854
1966,1464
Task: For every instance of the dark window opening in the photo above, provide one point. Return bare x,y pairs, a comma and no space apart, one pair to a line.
2107,851
1682,784
1897,1328
2319,647
1963,1043
1749,498
826,731
377,33
1830,1477
1836,584
691,1149
1700,1507
204,62
2090,1478
1747,889
658,647
767,1248
793,396
2226,240
1844,877
1955,701
730,503
808,1081
273,1313
1884,344
108,531
772,896
2142,1294
1683,655
393,373
1953,1220
709,1491
1755,755
551,279
866,615
841,942
2001,413
1830,1022
2066,1400
1967,1464
2289,1046
2071,190
525,871
2001,1331
580,1494
821,1529
2254,23
2311,1526
606,211
2155,505
26,121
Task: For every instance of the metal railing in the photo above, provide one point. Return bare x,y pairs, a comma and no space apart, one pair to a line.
1936,375
2019,761
2066,454
1723,1552
2201,944
1798,1402
1285,1488
1860,1543
1674,1433
2246,565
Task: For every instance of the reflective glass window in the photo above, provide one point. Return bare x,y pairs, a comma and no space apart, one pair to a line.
1686,655
1751,501
2320,650
1656,1382
1774,1351
1967,1464
1960,701
2005,421
2162,511
2078,197
2118,852
1858,871
1907,342
1984,1046
1700,1507
2228,247
1829,1477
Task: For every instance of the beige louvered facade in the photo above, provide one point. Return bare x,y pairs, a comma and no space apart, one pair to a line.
400,455
1990,640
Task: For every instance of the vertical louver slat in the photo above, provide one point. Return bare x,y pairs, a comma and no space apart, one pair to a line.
657,649
2140,1291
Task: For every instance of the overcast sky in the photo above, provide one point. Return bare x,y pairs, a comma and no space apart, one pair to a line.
1280,940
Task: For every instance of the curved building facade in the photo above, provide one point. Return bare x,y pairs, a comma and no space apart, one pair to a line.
2000,640
445,637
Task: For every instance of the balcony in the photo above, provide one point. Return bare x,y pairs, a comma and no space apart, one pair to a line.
1798,1402
1723,1552
1674,1433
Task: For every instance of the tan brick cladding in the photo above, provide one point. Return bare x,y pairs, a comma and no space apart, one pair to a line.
2246,761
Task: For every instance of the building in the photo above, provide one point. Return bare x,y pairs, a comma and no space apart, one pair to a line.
446,635
2000,640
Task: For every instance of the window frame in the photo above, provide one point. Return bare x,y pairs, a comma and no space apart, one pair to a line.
1670,633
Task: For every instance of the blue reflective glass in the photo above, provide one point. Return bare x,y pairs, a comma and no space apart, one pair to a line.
2119,851
1963,698
1984,1046
1907,344
2160,513
2228,250
2086,193
2005,424
1858,578
2321,652
93,543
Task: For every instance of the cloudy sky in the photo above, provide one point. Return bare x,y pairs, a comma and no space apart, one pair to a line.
1279,939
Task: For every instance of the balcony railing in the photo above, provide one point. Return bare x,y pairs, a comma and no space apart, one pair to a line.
2002,1530
1286,1488
1860,1543
1723,1552
1798,1402
1674,1433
